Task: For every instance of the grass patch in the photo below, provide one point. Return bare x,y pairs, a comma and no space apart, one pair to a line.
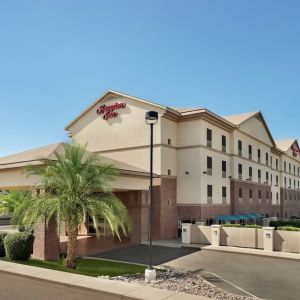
89,267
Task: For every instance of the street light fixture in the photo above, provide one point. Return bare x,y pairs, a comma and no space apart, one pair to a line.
151,119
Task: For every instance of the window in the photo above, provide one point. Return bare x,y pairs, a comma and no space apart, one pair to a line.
250,196
209,165
285,182
277,198
258,155
294,184
290,170
209,194
277,164
250,173
250,152
223,168
169,172
267,159
240,171
271,178
290,183
208,137
298,171
169,142
224,194
284,166
271,161
223,143
240,195
259,197
240,148
259,175
277,180
267,178
294,170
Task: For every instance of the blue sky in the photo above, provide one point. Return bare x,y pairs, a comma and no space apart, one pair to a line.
57,57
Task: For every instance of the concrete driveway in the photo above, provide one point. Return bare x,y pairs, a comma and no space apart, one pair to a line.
267,278
139,254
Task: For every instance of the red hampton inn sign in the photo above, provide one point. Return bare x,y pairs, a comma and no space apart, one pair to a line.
109,111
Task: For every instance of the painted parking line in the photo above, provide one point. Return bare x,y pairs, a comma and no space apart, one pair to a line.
229,283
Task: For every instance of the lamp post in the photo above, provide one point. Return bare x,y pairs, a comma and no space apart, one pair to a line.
151,119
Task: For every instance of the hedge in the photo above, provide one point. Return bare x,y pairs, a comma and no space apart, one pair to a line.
242,226
18,246
288,228
2,236
280,223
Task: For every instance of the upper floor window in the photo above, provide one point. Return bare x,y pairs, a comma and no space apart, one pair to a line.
267,178
277,180
240,147
250,151
271,161
294,170
209,193
258,155
276,163
290,169
224,194
259,175
208,137
284,166
285,182
267,159
240,171
223,143
169,142
250,173
209,165
298,171
223,168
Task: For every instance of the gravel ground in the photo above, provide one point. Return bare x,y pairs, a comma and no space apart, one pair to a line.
182,282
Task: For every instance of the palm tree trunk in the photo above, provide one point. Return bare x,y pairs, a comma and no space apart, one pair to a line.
70,261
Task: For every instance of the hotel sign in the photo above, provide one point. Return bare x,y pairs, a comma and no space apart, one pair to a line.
110,111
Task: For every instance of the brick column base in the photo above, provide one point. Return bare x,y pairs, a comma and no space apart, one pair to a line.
46,241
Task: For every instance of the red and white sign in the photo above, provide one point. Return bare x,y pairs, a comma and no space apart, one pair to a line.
110,111
295,149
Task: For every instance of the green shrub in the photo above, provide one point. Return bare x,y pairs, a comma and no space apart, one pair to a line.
232,225
280,223
18,246
252,226
288,228
2,250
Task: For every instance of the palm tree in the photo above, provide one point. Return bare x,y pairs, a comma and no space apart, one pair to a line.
10,201
77,185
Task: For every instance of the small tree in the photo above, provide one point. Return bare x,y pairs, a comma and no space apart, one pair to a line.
77,185
10,201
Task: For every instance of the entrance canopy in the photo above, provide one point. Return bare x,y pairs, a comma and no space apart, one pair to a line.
250,216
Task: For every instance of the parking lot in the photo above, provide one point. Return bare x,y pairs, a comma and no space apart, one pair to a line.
267,278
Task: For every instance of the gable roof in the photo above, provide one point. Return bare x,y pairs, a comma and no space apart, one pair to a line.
102,98
284,145
238,119
35,157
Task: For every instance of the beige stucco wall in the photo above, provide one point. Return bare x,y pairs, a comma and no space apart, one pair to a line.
287,241
200,234
17,179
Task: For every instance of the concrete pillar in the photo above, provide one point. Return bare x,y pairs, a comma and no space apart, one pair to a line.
216,235
268,238
46,241
186,233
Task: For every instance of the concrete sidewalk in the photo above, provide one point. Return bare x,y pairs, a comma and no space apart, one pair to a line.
258,252
32,283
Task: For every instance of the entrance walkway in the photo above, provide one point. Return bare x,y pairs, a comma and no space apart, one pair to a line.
87,245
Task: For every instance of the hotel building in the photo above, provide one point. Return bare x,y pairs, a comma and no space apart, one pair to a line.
206,165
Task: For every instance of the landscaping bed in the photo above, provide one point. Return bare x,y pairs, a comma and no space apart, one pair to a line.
89,267
182,282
